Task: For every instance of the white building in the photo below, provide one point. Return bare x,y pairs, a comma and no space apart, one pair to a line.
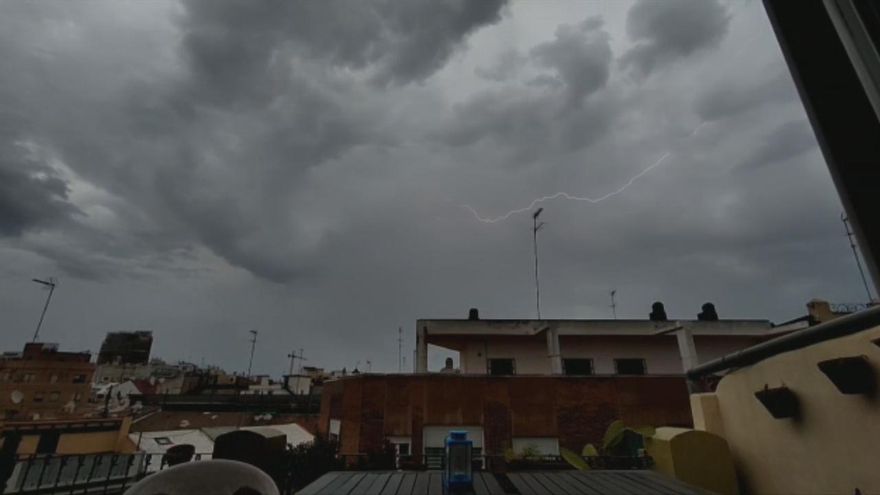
156,443
266,386
586,347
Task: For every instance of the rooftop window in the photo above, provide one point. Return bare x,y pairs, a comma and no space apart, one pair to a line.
577,367
630,366
502,367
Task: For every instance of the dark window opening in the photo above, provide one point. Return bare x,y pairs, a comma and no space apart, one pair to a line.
48,443
82,379
577,367
403,449
501,367
630,366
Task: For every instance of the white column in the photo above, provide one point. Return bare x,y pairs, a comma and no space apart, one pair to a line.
686,348
553,351
422,350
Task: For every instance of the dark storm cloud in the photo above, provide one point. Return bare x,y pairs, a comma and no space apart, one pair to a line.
399,41
196,151
299,167
32,195
554,112
292,115
580,55
783,143
666,31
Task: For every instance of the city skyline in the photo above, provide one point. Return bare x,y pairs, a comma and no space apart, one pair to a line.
203,169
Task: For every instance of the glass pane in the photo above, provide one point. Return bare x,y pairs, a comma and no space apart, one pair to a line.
459,460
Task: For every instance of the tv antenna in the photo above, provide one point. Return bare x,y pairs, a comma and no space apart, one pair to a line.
253,346
536,226
51,283
293,357
399,349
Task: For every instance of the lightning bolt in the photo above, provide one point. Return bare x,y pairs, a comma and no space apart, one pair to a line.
572,197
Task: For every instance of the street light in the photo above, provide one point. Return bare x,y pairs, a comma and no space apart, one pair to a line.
51,285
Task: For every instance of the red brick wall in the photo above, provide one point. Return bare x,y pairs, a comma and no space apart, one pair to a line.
576,410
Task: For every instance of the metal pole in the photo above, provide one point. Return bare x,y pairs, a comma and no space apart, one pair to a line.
292,357
399,349
51,285
253,346
535,227
613,304
852,244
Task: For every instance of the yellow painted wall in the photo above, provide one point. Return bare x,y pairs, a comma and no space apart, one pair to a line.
28,444
698,458
831,449
87,443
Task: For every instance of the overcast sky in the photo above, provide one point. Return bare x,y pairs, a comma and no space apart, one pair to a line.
200,169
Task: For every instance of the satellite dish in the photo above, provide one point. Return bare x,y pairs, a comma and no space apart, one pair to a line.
16,397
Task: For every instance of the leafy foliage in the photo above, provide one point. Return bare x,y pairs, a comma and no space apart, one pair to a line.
619,440
589,451
574,459
308,462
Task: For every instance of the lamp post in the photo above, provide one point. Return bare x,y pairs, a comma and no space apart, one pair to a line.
535,228
458,476
51,285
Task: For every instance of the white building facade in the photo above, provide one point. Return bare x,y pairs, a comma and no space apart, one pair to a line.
587,347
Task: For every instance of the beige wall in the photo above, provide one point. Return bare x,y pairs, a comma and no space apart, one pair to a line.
832,448
49,377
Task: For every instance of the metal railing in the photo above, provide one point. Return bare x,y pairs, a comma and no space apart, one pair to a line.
82,474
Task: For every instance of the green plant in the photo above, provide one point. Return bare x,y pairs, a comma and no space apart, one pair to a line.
309,461
619,440
530,452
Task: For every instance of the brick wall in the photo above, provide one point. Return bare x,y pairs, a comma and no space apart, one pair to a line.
574,409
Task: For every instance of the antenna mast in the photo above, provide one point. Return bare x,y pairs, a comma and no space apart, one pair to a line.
852,244
293,357
51,285
253,346
613,303
535,228
399,349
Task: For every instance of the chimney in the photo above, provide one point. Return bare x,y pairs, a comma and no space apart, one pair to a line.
819,311
474,314
708,313
658,313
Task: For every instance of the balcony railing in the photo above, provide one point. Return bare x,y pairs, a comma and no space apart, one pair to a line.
82,474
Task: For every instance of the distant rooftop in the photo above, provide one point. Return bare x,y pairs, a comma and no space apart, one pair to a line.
592,327
40,351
